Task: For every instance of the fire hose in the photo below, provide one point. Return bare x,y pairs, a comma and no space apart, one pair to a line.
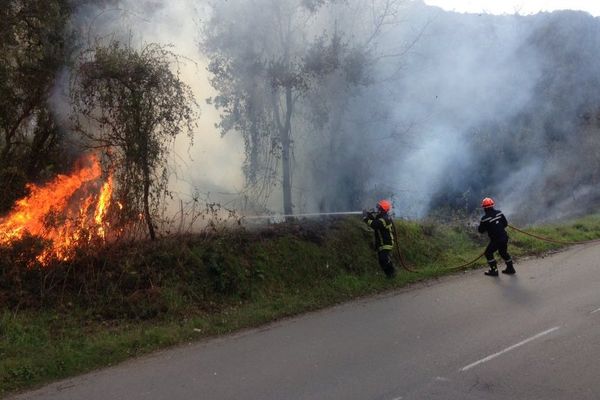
401,259
403,262
473,261
545,239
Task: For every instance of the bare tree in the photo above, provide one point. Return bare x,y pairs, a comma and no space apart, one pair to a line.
132,104
263,65
273,62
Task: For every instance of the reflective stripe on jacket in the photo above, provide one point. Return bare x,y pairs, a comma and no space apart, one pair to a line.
382,226
494,223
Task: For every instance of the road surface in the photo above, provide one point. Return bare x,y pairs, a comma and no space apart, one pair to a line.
535,335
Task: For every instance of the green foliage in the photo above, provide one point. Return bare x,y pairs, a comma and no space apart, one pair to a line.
33,48
13,182
131,299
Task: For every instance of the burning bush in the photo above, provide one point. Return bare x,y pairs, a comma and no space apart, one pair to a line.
66,213
132,104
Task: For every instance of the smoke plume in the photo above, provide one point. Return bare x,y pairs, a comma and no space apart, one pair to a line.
434,109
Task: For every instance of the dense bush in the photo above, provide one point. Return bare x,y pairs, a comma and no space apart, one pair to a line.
146,279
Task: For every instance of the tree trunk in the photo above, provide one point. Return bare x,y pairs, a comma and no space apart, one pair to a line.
253,167
286,152
147,215
146,182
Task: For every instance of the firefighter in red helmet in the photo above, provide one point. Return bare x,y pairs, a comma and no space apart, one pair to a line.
381,223
495,223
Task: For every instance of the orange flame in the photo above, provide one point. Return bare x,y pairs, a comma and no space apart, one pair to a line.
66,212
102,207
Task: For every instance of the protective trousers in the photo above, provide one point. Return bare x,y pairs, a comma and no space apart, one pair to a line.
385,261
501,247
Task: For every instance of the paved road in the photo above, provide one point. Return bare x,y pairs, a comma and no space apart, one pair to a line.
535,335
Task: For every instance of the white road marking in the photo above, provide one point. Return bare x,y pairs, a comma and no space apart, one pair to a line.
595,311
506,350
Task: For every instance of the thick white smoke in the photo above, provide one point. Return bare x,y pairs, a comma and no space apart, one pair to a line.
454,79
476,82
442,87
211,168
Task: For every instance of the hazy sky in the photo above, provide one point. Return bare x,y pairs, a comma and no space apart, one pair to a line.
517,6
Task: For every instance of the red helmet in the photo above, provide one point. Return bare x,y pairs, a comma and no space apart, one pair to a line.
487,202
384,205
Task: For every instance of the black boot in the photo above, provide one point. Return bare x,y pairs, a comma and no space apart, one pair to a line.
390,271
493,268
509,270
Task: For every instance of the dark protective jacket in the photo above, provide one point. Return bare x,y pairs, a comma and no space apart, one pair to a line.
382,225
494,223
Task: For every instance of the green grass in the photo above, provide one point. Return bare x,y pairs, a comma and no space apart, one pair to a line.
130,301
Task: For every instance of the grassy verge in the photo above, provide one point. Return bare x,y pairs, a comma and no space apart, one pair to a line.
132,300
